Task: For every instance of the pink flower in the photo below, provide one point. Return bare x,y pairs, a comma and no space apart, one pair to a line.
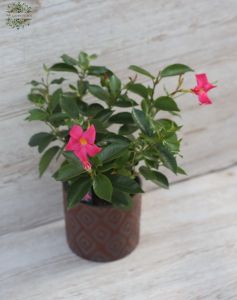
87,197
202,87
82,144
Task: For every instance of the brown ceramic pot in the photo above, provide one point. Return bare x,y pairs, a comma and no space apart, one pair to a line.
102,233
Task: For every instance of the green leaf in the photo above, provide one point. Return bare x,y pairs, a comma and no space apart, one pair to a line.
115,85
122,161
121,118
36,98
106,167
138,89
82,86
62,67
99,92
64,133
69,60
167,125
37,115
145,105
114,138
141,71
176,69
68,171
152,162
156,177
72,87
121,200
167,158
103,187
69,105
166,103
97,70
83,107
96,162
142,121
72,158
54,101
58,81
83,60
172,143
104,115
125,101
125,184
99,126
58,117
46,69
42,140
94,108
181,171
93,56
34,83
124,171
46,159
112,151
78,190
128,129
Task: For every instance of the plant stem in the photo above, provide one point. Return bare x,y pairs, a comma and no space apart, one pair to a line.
55,132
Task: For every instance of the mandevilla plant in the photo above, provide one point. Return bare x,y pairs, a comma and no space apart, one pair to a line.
104,150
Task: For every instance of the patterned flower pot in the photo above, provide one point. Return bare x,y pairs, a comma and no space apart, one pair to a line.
102,233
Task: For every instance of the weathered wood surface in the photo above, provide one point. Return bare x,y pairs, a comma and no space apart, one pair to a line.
188,251
148,33
151,34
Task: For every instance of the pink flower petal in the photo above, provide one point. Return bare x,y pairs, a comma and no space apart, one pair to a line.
89,134
92,150
76,132
201,80
209,86
204,99
196,90
70,144
82,144
87,197
82,155
203,83
86,165
73,145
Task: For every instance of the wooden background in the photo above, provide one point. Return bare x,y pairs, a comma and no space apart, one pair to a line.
152,34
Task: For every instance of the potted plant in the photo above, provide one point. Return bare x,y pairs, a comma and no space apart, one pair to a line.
102,152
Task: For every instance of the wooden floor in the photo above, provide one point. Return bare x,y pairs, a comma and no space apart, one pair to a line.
188,250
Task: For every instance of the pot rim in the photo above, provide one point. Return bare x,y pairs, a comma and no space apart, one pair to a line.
109,206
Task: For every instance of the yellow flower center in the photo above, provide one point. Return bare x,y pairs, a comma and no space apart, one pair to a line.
83,141
201,90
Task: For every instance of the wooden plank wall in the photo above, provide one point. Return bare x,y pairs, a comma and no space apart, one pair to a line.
151,34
